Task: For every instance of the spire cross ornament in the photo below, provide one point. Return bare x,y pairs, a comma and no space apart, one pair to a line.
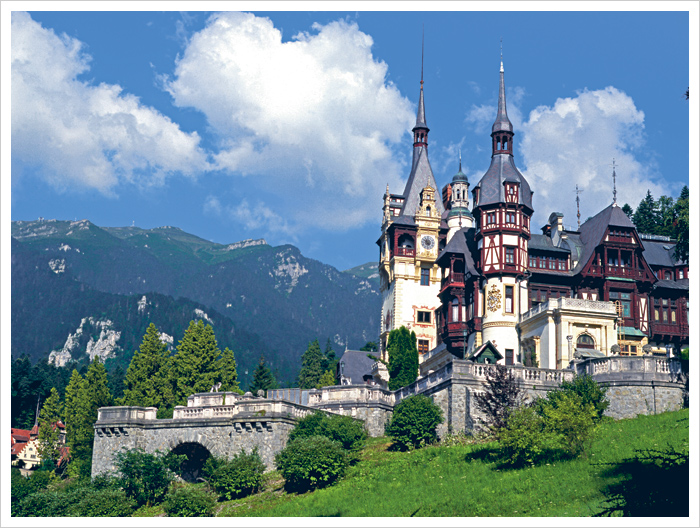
578,209
501,53
614,184
422,54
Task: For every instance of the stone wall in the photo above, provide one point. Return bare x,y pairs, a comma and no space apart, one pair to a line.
225,423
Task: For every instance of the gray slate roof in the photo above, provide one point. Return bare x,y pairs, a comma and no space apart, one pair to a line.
420,177
656,255
543,242
459,244
592,231
682,284
357,365
492,190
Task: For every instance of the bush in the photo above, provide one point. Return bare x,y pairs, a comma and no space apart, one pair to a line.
100,503
414,422
238,477
570,420
312,462
588,390
501,396
350,433
145,476
45,504
524,439
189,501
22,487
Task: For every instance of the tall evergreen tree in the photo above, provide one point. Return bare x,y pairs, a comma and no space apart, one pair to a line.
311,366
49,434
681,228
327,379
403,358
71,406
330,360
262,378
80,419
194,364
646,217
147,381
97,386
226,369
627,209
667,216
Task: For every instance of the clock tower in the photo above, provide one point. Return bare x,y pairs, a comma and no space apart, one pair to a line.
413,234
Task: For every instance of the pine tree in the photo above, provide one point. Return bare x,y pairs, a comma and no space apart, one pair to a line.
71,415
646,217
80,427
147,381
627,209
403,358
311,366
194,364
681,229
262,378
97,386
226,369
667,216
330,360
49,433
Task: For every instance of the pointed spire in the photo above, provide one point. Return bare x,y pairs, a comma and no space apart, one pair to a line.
502,123
420,131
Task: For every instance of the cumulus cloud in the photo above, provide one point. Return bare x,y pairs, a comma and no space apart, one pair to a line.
81,135
257,218
574,142
312,119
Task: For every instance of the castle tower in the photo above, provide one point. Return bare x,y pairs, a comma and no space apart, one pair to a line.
409,244
459,216
502,211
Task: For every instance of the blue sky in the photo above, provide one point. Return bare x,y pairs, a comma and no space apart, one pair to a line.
289,125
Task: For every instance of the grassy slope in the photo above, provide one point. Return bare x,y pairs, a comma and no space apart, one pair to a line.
468,480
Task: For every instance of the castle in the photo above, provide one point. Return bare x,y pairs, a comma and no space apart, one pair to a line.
479,284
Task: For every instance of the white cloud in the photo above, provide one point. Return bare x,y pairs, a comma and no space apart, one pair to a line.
258,218
313,118
574,142
81,135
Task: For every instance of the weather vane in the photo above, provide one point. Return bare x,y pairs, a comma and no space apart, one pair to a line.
578,209
614,183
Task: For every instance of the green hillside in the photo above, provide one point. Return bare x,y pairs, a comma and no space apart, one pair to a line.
453,480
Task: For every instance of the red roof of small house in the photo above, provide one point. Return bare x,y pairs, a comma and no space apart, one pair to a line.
35,430
58,424
65,455
18,447
19,435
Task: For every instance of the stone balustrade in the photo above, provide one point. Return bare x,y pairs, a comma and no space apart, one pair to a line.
566,303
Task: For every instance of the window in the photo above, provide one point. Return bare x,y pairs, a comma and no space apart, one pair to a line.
680,274
543,262
490,219
509,356
425,276
509,299
656,314
625,301
552,263
510,255
455,310
667,275
510,218
423,346
562,265
585,341
423,317
533,262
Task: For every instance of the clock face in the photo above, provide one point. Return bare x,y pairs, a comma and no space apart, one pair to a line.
427,242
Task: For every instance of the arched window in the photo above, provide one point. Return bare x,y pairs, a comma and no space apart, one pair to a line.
585,341
455,310
428,211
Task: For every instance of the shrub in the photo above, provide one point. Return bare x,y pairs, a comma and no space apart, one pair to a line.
501,396
312,462
145,476
524,438
414,422
100,503
45,504
350,433
588,390
238,477
189,501
570,420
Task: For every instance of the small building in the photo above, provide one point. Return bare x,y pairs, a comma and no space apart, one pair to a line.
355,368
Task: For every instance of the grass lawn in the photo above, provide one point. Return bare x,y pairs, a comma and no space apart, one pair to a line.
469,480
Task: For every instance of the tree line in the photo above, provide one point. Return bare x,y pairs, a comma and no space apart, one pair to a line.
664,217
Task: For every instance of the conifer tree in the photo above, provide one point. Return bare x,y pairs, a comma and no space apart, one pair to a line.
80,430
194,364
147,381
49,434
627,209
71,409
97,386
403,358
262,378
311,366
681,228
330,360
226,369
646,217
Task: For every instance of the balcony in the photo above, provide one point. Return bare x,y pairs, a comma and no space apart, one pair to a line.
453,278
565,303
616,271
405,252
669,329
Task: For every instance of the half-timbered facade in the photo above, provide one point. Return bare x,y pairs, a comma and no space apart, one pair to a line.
464,277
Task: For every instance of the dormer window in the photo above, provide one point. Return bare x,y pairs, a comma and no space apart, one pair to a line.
511,193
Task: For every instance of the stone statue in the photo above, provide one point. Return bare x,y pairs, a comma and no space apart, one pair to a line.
615,350
646,349
261,393
215,387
